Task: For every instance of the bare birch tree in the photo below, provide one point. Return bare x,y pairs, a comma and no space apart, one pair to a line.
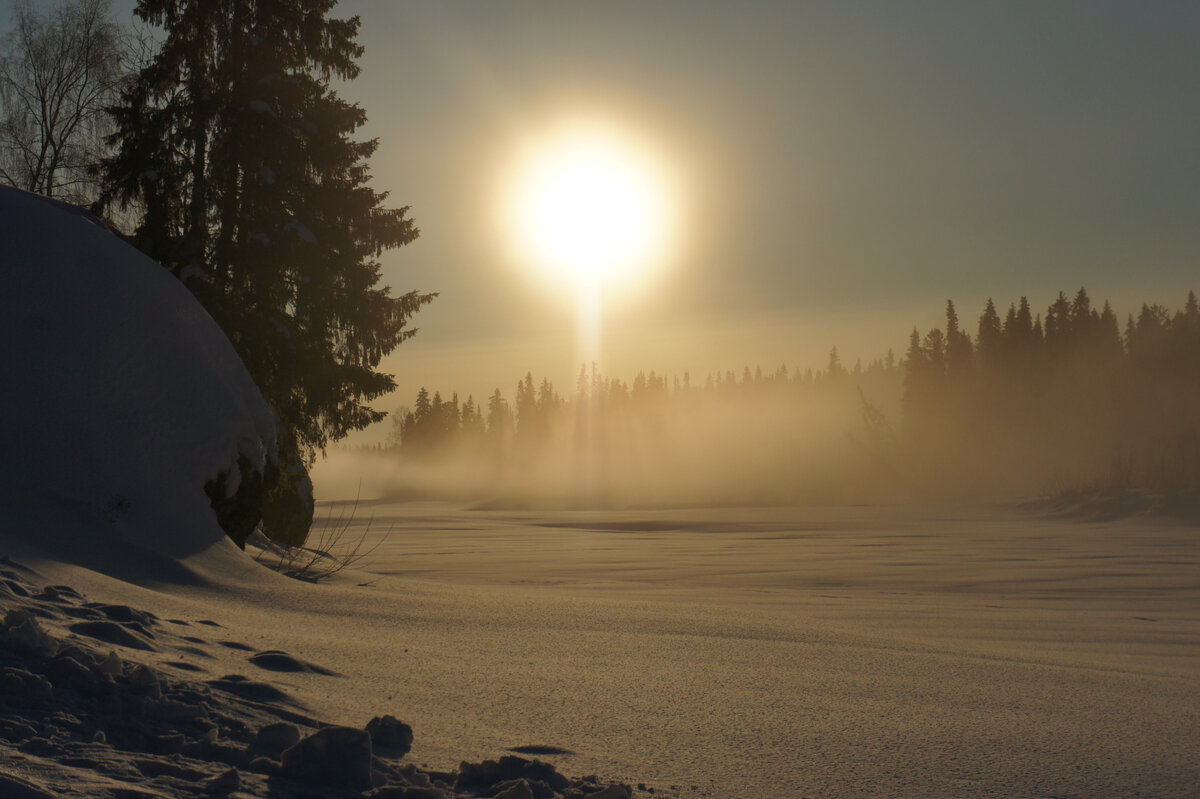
59,71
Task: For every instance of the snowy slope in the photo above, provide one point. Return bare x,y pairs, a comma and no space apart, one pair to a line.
122,397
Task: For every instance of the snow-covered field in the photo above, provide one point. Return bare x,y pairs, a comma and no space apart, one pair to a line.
854,651
751,652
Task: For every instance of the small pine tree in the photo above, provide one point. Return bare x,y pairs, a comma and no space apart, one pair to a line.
1059,329
1108,335
989,340
835,370
958,344
499,419
423,409
935,353
916,385
528,420
1025,340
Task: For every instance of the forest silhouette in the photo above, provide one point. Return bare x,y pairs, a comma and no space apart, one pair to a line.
1031,403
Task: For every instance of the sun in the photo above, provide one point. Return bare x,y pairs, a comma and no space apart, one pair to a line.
590,207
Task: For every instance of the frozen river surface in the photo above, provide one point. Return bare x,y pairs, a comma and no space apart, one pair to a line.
762,652
866,651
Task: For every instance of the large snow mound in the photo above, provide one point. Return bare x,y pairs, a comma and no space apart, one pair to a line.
121,396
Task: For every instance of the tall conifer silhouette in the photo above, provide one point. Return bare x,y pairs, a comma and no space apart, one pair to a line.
257,196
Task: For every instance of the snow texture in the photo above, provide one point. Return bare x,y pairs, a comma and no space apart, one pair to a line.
85,713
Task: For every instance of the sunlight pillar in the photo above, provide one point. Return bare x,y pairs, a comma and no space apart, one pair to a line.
588,321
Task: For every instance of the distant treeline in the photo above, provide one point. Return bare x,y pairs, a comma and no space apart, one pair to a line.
1030,402
433,423
1069,394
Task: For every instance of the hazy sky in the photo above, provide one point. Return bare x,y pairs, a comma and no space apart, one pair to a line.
847,168
847,165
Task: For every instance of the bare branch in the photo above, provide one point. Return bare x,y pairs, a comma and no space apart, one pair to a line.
59,70
334,550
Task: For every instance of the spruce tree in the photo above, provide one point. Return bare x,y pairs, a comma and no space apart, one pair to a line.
1059,330
424,407
935,354
1085,324
499,418
989,341
915,401
1081,310
437,420
1026,340
255,194
958,344
1109,346
527,408
1010,323
835,370
473,427
1189,336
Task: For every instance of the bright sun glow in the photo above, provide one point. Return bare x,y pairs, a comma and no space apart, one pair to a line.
590,207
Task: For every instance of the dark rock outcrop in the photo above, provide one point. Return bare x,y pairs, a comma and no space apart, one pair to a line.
478,777
273,739
338,756
390,736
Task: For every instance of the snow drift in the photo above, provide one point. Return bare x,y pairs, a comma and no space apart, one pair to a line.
77,719
123,398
